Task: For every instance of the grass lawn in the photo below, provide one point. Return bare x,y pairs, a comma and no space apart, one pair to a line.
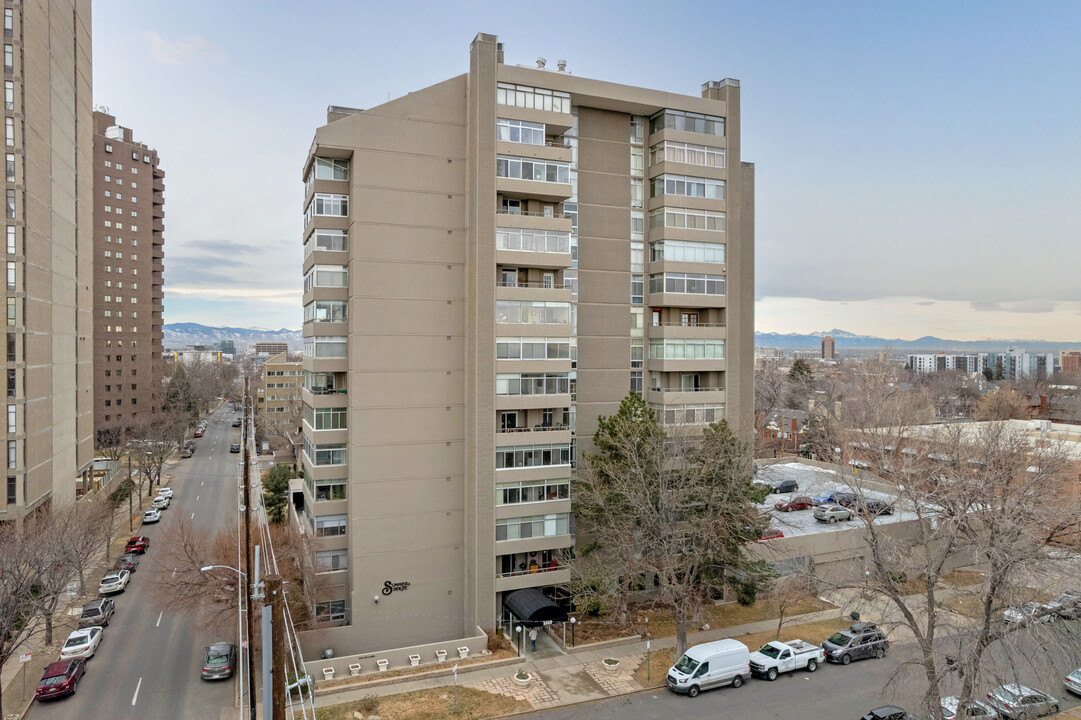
812,632
432,704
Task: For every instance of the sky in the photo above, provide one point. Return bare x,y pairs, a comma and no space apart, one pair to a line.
916,162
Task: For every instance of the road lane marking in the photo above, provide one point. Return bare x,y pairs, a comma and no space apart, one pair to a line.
201,482
196,498
158,623
174,572
193,516
136,695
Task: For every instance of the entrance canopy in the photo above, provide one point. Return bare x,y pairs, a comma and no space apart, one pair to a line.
533,608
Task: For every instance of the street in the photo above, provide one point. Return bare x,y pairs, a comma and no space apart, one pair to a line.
149,662
834,691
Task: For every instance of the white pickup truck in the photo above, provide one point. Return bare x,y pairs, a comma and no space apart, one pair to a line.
776,657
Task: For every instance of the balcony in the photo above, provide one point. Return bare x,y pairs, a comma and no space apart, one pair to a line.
685,330
533,402
662,299
533,435
689,396
548,151
558,575
514,290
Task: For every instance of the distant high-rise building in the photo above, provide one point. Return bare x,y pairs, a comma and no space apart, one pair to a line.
228,347
1070,361
49,244
828,351
129,248
492,263
940,362
271,348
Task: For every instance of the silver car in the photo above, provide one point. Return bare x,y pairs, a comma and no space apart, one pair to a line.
1018,702
1027,612
1073,682
976,709
832,513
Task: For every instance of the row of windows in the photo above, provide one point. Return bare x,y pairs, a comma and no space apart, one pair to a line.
527,491
687,218
530,312
685,186
530,527
532,383
326,311
326,205
119,166
331,525
326,346
688,414
329,611
120,211
326,276
331,169
527,169
119,181
685,251
521,456
319,455
120,226
327,241
546,241
533,348
325,418
533,98
688,121
332,561
687,283
671,151
685,349
519,131
118,298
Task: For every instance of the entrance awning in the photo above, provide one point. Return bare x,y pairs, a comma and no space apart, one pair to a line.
533,608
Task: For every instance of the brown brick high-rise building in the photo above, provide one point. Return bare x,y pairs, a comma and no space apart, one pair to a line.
129,212
49,242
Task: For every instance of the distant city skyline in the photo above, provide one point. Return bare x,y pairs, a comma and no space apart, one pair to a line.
915,162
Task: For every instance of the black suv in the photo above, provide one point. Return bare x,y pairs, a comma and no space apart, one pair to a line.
862,640
874,507
234,448
784,486
845,499
888,712
96,613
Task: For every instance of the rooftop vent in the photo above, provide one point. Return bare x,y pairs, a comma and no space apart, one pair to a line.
541,62
562,65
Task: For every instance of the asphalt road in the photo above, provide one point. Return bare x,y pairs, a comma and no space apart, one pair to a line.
147,667
835,692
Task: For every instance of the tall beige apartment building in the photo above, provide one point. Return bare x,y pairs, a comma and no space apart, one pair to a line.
279,401
49,243
129,256
490,264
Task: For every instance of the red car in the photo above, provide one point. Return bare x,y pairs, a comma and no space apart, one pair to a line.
137,544
198,433
771,534
795,503
60,679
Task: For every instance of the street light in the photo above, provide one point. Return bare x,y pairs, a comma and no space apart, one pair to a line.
226,567
251,676
518,630
574,621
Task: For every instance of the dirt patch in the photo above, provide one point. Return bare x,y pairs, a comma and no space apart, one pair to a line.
653,674
433,704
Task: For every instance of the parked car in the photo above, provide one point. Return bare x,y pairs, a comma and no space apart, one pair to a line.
127,561
97,613
198,432
60,678
236,422
846,499
114,581
165,492
889,712
1018,702
976,709
778,657
800,502
151,516
1068,604
187,452
138,544
771,534
234,448
1073,682
219,660
82,643
784,486
860,641
874,507
834,497
1029,611
709,665
161,502
832,513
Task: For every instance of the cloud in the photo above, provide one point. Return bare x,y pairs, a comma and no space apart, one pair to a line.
222,248
1035,305
985,305
925,302
191,50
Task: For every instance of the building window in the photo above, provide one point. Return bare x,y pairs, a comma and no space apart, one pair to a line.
684,218
326,490
688,414
11,418
637,161
12,250
9,131
507,458
331,169
333,454
326,311
11,276
12,485
680,152
533,98
688,121
528,491
532,348
684,251
531,527
532,383
637,288
519,131
687,283
9,22
683,349
330,611
638,225
109,149
11,311
546,241
636,382
637,129
327,241
529,169
326,276
330,418
685,186
638,349
9,95
326,205
637,189
11,347
330,525
532,312
9,58
331,560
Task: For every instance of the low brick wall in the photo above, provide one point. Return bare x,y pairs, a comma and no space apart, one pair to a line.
331,687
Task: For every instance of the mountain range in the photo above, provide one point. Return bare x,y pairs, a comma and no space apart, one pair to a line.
928,343
177,336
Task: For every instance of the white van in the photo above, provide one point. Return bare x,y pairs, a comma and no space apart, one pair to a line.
710,665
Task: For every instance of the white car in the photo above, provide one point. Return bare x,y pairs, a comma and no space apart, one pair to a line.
976,709
114,581
160,502
1073,682
165,492
1028,611
82,643
151,516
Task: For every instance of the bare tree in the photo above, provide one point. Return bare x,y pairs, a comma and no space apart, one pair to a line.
770,390
20,563
1001,404
156,442
112,439
783,593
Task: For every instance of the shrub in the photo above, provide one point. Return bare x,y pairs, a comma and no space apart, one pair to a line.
368,704
522,675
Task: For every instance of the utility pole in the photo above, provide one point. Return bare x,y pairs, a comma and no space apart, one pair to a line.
246,474
131,491
274,603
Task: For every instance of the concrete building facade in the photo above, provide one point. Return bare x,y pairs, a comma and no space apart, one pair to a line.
129,256
492,263
829,347
278,400
49,248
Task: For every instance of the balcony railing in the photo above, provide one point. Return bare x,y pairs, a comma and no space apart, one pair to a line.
535,285
688,325
535,428
533,571
530,213
328,391
703,388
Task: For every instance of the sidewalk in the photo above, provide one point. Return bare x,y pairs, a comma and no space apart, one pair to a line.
581,676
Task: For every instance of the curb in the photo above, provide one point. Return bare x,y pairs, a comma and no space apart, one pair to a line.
441,672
